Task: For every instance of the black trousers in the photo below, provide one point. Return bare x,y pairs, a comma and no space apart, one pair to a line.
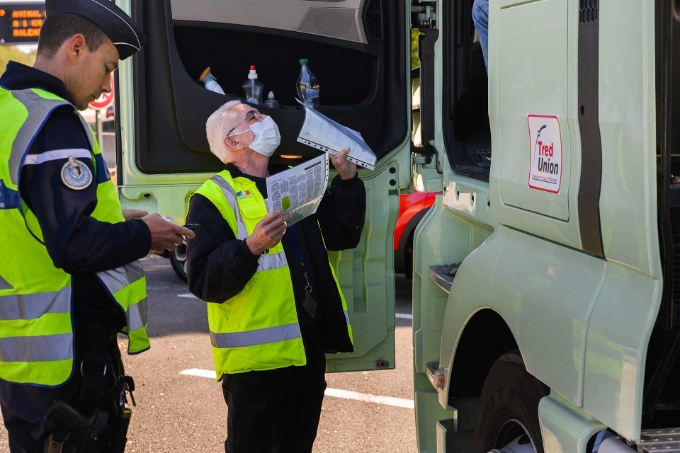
24,406
276,411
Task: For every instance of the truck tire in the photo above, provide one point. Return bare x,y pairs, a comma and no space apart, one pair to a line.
508,408
178,260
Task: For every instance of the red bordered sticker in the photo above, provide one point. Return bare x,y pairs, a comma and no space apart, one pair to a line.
545,142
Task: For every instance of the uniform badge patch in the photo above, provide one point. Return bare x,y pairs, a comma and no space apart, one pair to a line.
244,194
75,174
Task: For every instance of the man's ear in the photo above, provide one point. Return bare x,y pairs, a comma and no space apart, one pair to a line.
231,143
76,46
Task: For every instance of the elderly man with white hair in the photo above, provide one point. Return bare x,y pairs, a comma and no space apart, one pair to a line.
275,306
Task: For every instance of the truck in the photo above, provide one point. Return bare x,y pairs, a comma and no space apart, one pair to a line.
545,316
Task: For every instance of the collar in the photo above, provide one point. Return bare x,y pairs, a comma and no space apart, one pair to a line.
235,172
22,77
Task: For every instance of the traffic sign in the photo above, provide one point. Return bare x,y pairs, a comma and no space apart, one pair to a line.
21,22
105,100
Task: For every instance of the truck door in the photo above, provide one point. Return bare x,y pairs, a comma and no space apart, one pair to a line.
358,51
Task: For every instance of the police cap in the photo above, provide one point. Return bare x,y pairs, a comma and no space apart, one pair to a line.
117,25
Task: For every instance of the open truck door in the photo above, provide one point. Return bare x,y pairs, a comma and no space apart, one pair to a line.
359,51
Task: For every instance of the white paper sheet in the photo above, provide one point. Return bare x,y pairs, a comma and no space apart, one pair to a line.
324,134
299,190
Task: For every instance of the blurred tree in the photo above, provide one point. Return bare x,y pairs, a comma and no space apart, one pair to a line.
13,53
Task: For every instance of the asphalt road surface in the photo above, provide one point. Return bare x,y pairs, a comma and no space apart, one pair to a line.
176,412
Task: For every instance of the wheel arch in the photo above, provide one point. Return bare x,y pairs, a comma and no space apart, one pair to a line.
485,337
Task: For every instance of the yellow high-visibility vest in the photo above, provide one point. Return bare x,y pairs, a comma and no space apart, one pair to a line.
36,322
258,328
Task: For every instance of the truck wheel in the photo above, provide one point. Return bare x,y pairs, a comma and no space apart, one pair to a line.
178,260
507,420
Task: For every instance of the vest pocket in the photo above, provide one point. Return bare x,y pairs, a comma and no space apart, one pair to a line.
252,210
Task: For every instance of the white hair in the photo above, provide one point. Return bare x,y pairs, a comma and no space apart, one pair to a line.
217,127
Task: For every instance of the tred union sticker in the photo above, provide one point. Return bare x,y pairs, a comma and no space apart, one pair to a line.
545,141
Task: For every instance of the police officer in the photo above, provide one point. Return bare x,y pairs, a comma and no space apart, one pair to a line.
69,275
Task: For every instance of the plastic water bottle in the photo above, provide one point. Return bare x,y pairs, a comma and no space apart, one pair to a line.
210,82
308,86
252,89
271,102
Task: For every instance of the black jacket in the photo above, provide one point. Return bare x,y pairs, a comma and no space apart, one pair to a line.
219,265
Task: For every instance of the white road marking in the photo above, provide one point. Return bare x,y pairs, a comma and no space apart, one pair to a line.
199,373
336,393
187,296
387,400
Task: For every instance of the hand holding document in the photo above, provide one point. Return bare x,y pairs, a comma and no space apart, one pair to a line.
324,134
299,190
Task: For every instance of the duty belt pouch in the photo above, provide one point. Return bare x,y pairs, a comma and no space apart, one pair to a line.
94,367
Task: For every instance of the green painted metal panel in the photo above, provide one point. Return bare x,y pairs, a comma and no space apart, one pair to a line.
533,70
628,128
428,413
616,349
532,78
564,427
366,276
627,309
546,293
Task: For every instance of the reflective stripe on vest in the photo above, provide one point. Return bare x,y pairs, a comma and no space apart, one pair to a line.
33,306
45,348
274,261
230,195
37,159
39,108
255,337
117,279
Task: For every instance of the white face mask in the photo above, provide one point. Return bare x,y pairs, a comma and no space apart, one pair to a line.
267,137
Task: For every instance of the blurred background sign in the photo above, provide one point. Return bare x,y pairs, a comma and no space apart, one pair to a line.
20,22
105,99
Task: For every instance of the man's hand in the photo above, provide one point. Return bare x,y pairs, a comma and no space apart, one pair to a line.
130,214
268,232
345,168
165,235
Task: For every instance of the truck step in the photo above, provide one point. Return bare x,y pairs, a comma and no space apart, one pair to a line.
667,440
443,274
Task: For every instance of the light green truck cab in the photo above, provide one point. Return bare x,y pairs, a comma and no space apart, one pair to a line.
559,322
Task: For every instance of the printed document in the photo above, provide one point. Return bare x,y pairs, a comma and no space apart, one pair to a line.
324,134
299,190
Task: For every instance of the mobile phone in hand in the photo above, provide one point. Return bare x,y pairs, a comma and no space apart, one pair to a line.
192,226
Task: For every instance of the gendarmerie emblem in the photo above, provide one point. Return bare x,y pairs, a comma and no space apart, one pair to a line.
76,175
